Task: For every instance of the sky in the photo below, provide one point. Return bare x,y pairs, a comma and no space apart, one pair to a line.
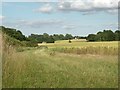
80,17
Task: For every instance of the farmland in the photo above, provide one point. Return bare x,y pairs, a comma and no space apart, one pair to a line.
59,44
52,66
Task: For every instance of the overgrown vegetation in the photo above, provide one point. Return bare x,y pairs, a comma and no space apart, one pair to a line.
33,39
61,64
16,38
89,50
42,68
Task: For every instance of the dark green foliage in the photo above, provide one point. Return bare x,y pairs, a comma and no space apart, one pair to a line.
49,38
33,39
62,37
16,38
117,35
13,33
12,41
91,37
79,37
106,35
31,44
41,38
68,36
58,37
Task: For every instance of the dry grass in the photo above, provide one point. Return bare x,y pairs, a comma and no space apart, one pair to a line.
38,68
0,60
44,68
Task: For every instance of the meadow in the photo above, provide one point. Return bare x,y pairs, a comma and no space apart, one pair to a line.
83,47
79,64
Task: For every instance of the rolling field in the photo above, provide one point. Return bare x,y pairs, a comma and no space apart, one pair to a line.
62,65
80,43
83,47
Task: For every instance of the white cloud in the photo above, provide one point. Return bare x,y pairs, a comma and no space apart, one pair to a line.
69,27
39,23
47,8
89,5
84,6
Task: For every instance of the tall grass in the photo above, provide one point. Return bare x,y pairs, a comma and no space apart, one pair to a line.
0,60
88,50
42,67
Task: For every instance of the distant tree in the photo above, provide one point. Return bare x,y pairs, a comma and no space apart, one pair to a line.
68,36
33,38
106,35
99,36
91,37
50,39
45,37
56,37
41,38
117,35
61,37
17,34
83,37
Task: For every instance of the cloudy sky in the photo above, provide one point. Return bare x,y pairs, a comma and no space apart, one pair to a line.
79,17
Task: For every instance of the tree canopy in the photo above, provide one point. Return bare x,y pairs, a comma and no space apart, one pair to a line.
106,35
33,39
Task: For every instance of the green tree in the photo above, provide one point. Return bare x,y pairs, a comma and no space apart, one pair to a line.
68,36
108,35
91,37
117,35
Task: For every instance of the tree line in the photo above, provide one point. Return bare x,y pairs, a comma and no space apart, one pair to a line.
33,39
51,38
37,38
106,35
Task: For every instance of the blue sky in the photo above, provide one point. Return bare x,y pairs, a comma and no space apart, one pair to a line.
76,18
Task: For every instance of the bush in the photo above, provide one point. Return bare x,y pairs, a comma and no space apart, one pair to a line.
30,44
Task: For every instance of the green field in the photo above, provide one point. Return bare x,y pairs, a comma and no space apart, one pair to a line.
79,64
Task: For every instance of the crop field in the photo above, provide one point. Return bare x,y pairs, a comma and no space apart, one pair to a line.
79,64
81,43
83,47
59,44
